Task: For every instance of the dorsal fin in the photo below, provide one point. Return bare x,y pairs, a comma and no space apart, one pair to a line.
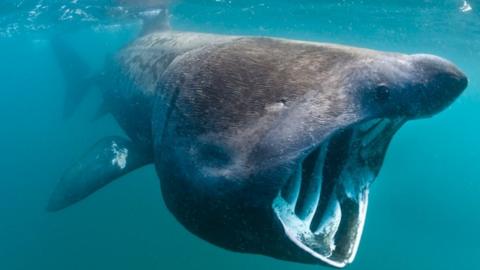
155,21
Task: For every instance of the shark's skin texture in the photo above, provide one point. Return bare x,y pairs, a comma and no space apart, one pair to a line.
267,145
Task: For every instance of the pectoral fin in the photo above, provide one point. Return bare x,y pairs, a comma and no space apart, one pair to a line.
107,160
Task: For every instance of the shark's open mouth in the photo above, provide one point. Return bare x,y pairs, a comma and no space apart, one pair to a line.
323,204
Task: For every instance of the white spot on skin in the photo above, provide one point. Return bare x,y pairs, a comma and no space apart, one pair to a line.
275,107
120,158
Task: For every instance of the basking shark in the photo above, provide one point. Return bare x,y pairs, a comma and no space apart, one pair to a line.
262,145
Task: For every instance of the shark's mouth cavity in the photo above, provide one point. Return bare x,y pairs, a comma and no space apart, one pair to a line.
323,204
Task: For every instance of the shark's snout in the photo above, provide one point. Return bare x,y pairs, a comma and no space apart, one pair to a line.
439,83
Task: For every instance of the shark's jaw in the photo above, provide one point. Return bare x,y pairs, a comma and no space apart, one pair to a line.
323,205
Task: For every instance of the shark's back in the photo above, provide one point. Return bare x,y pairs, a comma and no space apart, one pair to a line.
133,78
146,59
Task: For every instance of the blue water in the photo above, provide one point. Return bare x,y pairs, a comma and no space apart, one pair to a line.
424,210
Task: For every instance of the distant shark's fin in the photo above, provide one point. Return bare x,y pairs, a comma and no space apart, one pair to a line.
77,74
107,160
155,21
102,110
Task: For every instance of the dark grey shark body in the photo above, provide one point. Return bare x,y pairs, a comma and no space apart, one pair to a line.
261,145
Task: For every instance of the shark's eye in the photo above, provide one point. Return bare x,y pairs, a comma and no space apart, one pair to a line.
382,93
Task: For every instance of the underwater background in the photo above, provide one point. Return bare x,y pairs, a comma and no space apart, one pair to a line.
424,210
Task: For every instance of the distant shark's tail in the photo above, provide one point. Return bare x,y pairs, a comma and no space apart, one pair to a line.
77,74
